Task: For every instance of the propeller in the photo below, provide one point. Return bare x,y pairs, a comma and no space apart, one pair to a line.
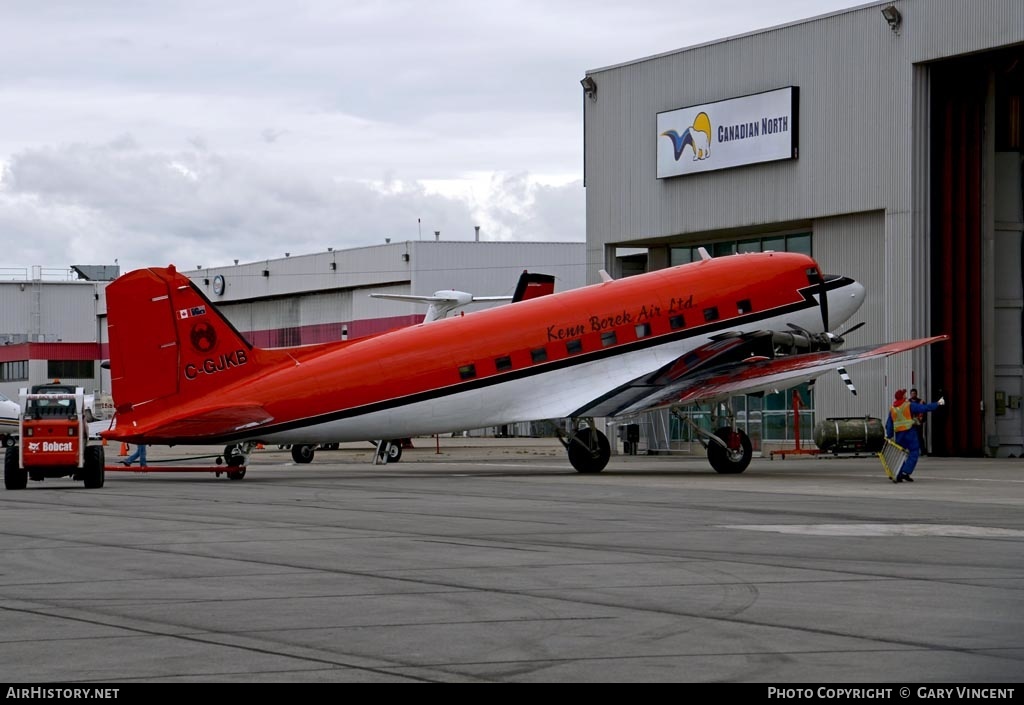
846,379
822,299
850,330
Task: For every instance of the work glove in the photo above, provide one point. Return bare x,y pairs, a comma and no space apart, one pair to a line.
941,401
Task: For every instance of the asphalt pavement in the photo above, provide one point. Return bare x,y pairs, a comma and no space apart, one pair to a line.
492,560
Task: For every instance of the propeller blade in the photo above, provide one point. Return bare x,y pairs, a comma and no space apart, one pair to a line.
823,302
849,382
850,330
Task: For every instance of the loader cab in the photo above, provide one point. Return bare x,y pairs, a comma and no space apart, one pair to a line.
52,408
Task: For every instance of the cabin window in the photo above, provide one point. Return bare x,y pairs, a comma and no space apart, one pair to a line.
539,355
467,371
608,338
643,330
574,346
711,314
744,306
501,364
677,322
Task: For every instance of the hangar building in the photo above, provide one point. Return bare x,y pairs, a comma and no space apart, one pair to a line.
885,140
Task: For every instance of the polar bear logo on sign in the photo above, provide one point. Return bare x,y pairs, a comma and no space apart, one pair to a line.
697,137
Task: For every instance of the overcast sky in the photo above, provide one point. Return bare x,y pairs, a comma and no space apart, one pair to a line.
195,133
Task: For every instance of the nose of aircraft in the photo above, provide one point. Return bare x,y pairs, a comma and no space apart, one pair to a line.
845,297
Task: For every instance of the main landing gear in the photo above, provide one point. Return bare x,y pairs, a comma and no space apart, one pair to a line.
588,448
303,453
729,449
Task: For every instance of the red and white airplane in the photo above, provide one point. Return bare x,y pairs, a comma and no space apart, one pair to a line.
700,332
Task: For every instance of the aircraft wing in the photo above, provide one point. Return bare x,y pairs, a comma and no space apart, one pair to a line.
708,374
412,298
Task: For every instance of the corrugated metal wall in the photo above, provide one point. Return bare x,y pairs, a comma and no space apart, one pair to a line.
45,311
854,245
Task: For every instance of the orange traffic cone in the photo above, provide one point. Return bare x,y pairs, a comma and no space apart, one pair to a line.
259,446
124,449
104,442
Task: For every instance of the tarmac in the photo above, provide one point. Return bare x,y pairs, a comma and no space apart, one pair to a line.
491,560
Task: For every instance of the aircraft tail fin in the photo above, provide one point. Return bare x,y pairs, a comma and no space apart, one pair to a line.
169,344
532,285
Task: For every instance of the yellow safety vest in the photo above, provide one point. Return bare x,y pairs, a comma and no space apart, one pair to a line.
901,418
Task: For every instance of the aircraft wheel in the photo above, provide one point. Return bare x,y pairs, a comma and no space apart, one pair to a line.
236,474
585,460
10,441
233,455
302,453
14,477
395,451
730,461
94,473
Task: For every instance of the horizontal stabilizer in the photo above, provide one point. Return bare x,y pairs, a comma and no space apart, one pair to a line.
207,423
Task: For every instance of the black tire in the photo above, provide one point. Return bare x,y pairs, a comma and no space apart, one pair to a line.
233,456
236,474
730,462
582,458
395,451
14,477
94,473
302,453
10,441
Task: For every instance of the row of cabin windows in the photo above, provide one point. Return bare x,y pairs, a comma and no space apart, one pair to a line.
608,338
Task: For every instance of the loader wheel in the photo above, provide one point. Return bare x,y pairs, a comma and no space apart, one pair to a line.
94,473
14,477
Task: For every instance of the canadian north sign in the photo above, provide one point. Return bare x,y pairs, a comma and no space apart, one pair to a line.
730,133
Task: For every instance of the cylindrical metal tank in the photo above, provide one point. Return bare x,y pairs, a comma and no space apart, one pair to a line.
850,435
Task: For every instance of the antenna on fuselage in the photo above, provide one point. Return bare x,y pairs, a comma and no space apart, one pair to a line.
703,254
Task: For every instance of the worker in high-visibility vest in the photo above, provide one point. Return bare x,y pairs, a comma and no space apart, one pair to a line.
901,424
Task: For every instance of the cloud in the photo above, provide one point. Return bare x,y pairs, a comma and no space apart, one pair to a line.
95,203
199,133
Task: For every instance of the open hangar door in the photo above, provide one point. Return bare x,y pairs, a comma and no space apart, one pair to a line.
977,272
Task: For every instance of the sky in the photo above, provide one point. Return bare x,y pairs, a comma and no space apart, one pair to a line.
148,133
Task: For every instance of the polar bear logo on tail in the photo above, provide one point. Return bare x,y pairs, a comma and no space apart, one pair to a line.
697,136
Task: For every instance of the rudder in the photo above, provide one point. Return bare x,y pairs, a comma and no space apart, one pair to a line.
167,340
